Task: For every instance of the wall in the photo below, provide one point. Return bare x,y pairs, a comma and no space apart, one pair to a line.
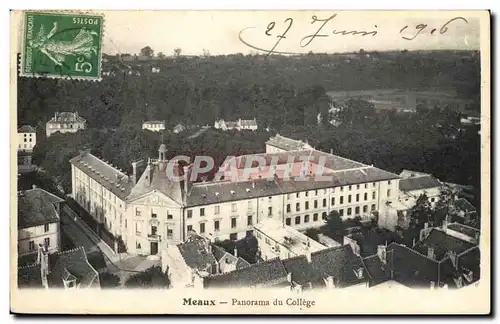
26,141
37,234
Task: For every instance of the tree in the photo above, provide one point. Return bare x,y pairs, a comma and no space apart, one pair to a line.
109,280
206,52
335,226
147,51
160,55
150,278
421,212
177,51
443,209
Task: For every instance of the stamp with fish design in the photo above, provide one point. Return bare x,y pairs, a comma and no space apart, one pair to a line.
62,45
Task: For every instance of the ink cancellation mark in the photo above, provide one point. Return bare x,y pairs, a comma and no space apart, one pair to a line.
62,45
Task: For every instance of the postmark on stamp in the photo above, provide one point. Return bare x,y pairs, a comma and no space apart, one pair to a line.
62,45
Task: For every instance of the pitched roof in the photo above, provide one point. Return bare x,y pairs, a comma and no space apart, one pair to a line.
442,244
464,229
465,205
265,274
378,271
419,183
105,174
154,122
29,276
26,129
36,207
341,263
303,272
64,117
75,263
241,263
248,122
195,253
286,143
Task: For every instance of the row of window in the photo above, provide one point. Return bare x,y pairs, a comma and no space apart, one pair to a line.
46,243
26,134
234,224
153,215
26,140
24,146
57,126
324,191
324,202
315,218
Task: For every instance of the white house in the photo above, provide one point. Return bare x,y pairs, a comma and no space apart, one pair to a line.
26,138
65,122
240,124
38,221
154,125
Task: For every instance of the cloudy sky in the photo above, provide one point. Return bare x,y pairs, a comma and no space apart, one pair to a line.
218,31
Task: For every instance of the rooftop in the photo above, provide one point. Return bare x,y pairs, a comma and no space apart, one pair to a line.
36,207
67,117
154,122
419,183
287,144
443,243
26,129
105,174
464,229
196,253
296,242
464,205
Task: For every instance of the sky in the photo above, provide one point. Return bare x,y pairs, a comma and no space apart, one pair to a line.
219,31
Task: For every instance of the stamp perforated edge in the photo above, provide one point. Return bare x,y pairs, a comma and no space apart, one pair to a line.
20,64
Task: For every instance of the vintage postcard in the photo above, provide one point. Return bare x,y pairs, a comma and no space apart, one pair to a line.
239,162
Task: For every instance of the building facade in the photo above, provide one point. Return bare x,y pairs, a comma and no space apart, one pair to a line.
240,124
38,221
153,211
154,125
65,122
26,138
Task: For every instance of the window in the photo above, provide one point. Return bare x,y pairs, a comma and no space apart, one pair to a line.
357,186
125,223
138,228
288,221
433,199
190,213
269,211
249,233
169,216
137,245
389,182
170,232
315,217
333,201
373,206
374,195
341,212
297,220
202,212
374,185
307,205
202,227
249,220
349,198
216,225
307,193
46,228
306,219
316,192
31,245
233,236
189,228
137,212
216,210
233,222
356,210
341,188
324,215
349,211
298,194
366,196
341,200
25,140
46,242
154,229
233,207
250,206
350,188
297,207
365,208
388,192
366,185
357,197
288,208
325,202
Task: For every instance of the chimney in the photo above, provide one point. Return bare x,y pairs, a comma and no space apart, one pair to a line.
382,253
453,258
76,114
289,277
445,224
135,173
187,177
235,251
33,186
309,256
56,115
430,253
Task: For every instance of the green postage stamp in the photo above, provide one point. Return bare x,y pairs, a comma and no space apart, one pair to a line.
62,45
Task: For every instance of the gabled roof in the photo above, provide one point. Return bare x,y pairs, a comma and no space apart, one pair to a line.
419,183
105,174
29,276
464,205
195,253
286,143
36,207
248,122
442,244
67,117
341,263
154,122
303,273
26,129
378,271
265,274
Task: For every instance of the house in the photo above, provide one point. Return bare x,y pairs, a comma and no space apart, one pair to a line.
280,143
413,184
65,122
38,221
240,124
178,128
154,125
189,262
443,257
26,138
465,210
278,240
68,269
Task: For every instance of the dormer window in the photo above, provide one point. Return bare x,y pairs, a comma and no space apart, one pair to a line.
153,215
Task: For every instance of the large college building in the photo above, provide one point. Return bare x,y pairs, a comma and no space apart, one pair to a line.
150,210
